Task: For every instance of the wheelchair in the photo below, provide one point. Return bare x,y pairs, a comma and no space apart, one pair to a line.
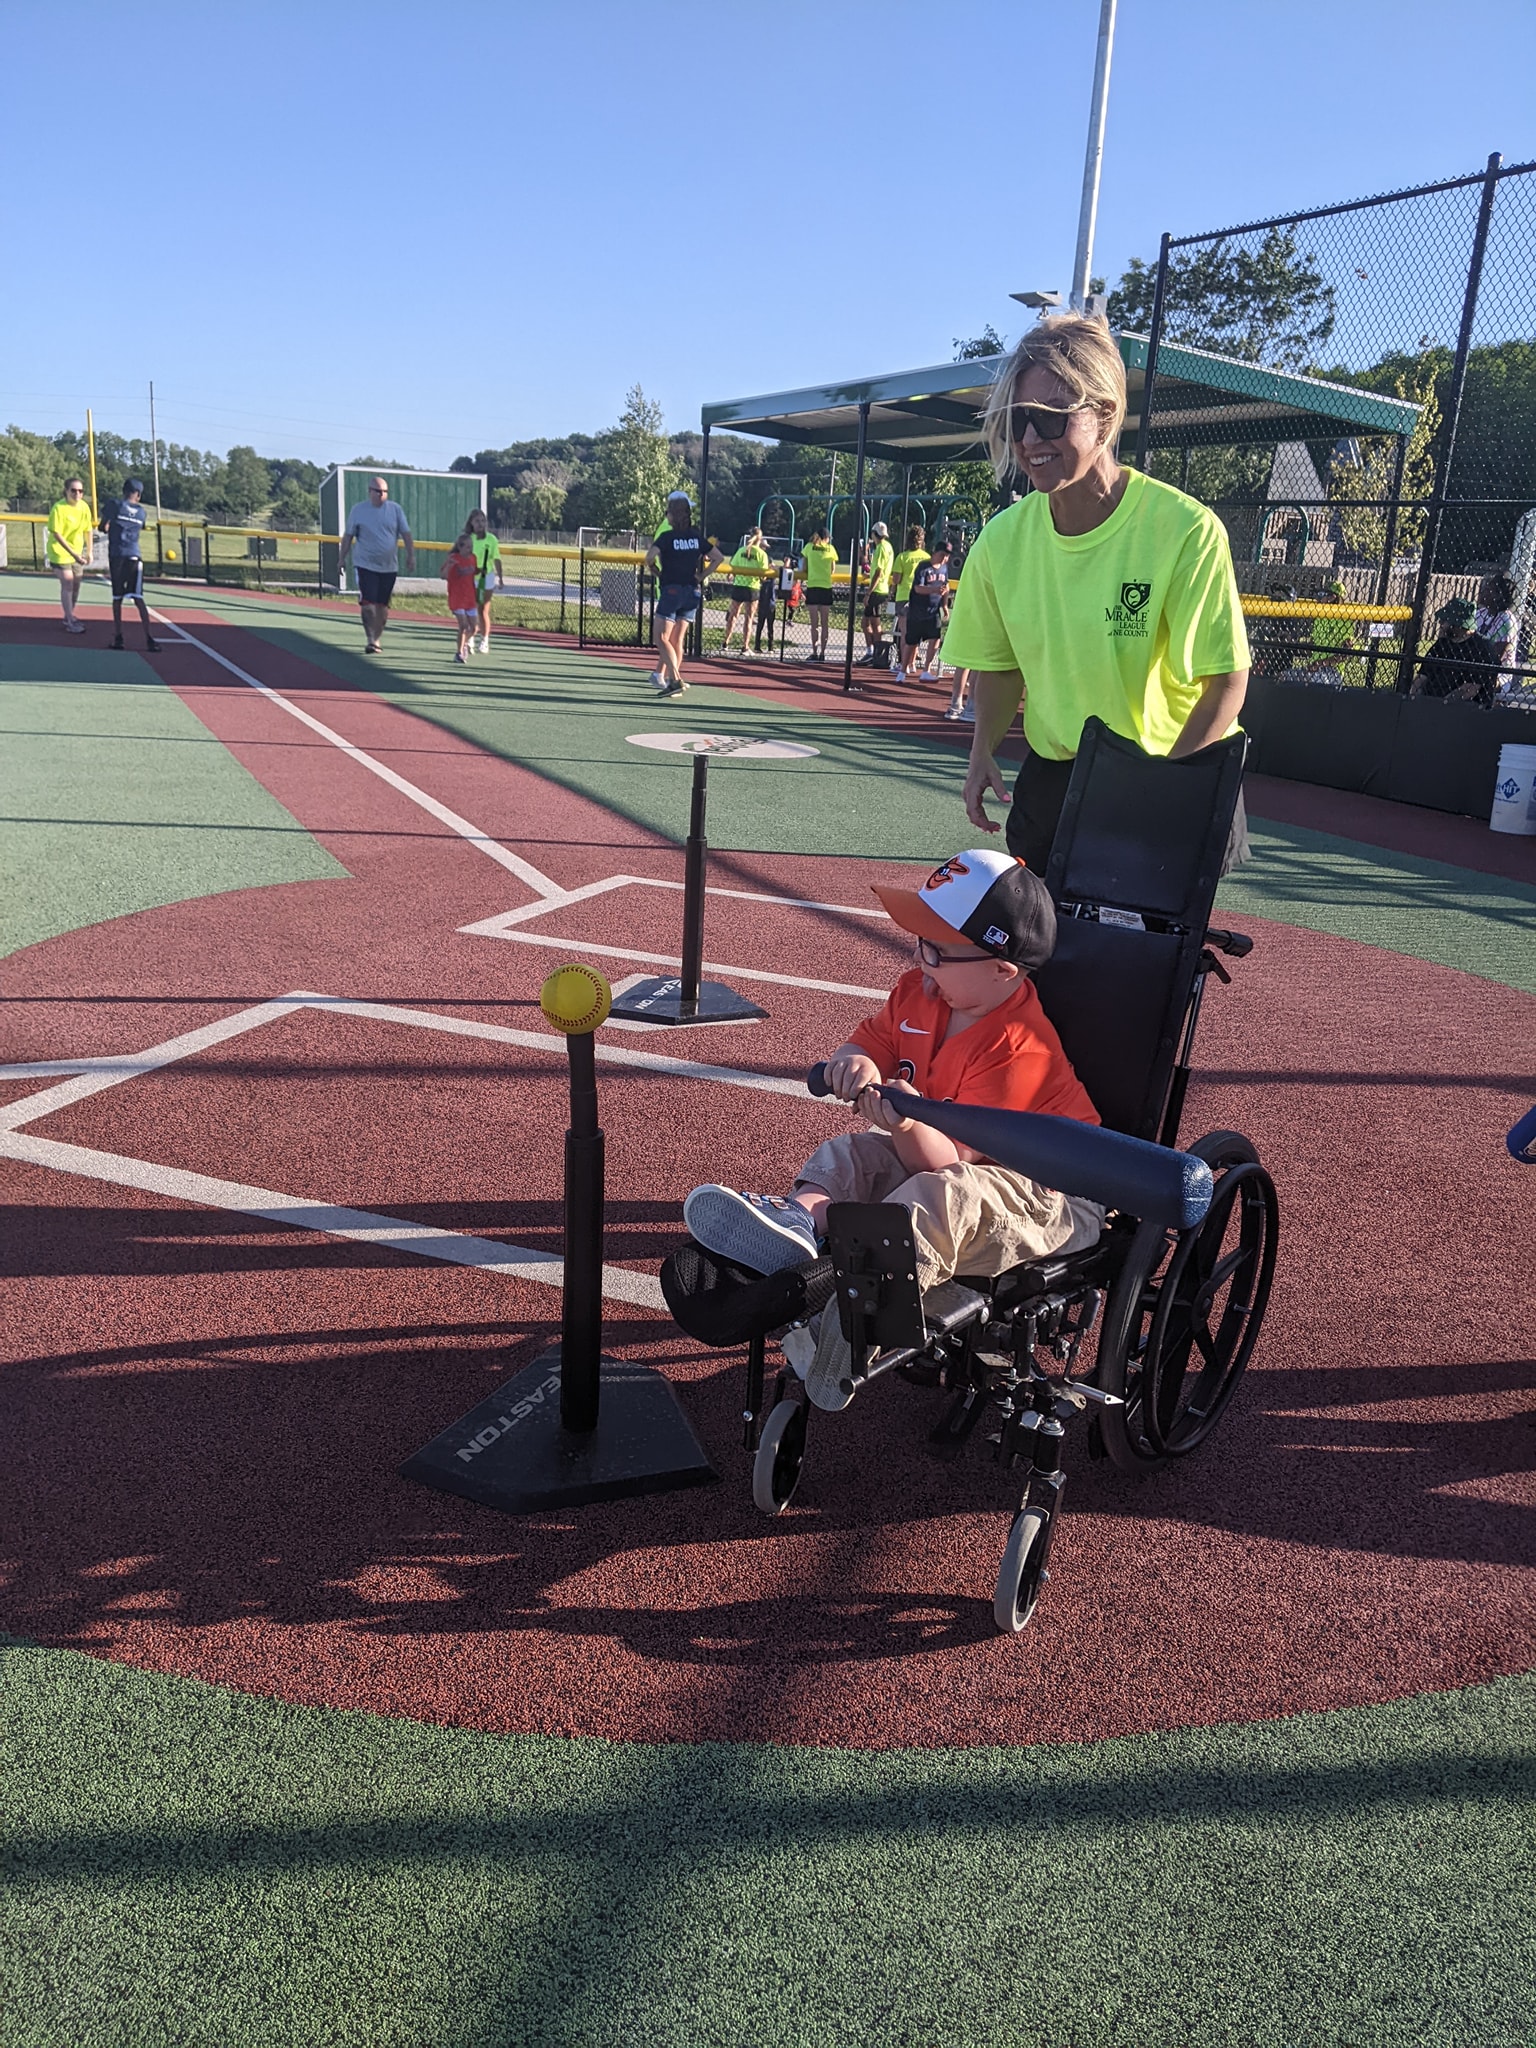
1173,1292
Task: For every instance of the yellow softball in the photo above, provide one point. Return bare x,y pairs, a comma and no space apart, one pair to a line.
575,998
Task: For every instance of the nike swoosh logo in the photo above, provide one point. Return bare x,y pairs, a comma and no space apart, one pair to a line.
917,1030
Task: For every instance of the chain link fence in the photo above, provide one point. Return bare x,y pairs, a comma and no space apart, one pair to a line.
1422,295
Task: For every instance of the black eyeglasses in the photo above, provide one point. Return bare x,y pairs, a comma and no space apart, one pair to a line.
930,956
1048,421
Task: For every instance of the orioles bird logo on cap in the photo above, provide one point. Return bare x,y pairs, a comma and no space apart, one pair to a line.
951,871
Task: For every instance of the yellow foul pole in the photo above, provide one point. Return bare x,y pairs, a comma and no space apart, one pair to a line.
90,435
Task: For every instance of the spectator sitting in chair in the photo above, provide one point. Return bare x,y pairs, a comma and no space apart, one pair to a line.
964,1025
1331,640
1461,663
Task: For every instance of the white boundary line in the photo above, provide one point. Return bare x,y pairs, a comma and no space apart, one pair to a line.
514,863
360,1226
498,927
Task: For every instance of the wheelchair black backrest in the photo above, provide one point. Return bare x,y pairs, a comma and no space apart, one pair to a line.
1143,836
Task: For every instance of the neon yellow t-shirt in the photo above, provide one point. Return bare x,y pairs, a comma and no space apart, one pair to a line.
487,550
1331,634
749,558
906,566
820,558
72,524
881,558
1117,624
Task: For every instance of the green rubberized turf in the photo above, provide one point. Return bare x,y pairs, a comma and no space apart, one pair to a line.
877,794
118,798
194,1865
567,714
1481,924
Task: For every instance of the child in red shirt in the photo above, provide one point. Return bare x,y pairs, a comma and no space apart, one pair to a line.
461,570
965,1025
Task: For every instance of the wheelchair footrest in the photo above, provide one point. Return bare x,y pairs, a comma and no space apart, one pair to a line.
947,1309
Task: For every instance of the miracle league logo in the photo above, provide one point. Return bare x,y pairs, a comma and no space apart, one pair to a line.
1127,620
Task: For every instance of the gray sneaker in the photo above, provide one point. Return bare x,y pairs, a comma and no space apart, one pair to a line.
763,1232
830,1379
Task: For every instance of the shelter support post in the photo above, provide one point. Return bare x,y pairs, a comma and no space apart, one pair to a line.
698,619
1435,516
856,542
1149,375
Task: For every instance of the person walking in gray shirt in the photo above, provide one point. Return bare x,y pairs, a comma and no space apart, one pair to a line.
376,531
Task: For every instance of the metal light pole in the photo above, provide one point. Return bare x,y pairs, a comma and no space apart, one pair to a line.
154,453
1093,161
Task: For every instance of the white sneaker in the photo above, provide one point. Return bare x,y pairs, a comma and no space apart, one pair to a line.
830,1379
658,682
74,627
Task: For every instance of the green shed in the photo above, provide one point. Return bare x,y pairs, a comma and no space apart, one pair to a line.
435,501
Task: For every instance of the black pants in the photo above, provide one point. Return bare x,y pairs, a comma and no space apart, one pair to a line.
1038,796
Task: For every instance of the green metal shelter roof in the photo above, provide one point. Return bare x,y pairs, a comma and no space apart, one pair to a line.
933,414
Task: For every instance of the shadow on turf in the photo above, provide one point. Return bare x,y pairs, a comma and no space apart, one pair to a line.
253,1477
163,1243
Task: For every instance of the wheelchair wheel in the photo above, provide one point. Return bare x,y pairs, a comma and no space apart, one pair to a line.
780,1457
1022,1573
1184,1314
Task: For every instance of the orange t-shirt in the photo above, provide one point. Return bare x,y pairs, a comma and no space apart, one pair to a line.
1009,1059
462,596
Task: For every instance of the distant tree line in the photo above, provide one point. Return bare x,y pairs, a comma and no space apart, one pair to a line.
229,489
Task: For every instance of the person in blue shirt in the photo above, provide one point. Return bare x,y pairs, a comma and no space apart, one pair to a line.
122,521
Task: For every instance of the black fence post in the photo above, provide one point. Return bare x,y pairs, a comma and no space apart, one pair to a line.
1435,517
1149,374
855,543
1388,549
581,598
562,593
207,552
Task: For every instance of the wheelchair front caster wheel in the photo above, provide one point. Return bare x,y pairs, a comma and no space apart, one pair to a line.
1022,1573
780,1457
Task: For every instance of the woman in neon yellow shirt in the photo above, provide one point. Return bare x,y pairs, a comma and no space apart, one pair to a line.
1103,593
820,561
750,556
69,547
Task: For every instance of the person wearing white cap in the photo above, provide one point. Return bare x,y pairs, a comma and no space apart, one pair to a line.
965,1024
882,560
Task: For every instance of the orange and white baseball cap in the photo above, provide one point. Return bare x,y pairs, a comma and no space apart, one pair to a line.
989,898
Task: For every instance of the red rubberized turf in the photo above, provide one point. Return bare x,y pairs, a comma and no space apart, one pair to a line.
209,1410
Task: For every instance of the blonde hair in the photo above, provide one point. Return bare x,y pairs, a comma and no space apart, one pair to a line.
1077,348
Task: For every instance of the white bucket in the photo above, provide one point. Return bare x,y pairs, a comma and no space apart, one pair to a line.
1514,791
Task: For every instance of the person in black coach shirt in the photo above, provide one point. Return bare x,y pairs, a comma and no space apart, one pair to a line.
122,521
682,557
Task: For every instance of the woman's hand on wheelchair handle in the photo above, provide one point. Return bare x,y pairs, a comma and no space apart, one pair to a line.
983,777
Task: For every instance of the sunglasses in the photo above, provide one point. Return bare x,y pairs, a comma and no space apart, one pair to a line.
930,956
1048,421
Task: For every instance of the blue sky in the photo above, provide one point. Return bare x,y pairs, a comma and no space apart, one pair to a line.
414,231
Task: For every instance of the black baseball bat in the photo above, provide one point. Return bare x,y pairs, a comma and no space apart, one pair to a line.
1152,1182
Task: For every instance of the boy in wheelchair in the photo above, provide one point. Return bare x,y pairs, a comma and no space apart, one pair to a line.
966,1025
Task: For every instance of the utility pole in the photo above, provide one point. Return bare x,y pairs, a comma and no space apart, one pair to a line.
1093,161
154,450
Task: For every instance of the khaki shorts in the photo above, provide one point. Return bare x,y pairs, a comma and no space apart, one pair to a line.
975,1221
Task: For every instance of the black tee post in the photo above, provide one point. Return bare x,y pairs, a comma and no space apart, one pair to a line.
581,1322
695,854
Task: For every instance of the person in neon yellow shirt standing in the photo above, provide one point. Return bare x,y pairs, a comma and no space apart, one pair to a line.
750,556
820,561
69,547
487,576
1103,593
882,562
905,567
